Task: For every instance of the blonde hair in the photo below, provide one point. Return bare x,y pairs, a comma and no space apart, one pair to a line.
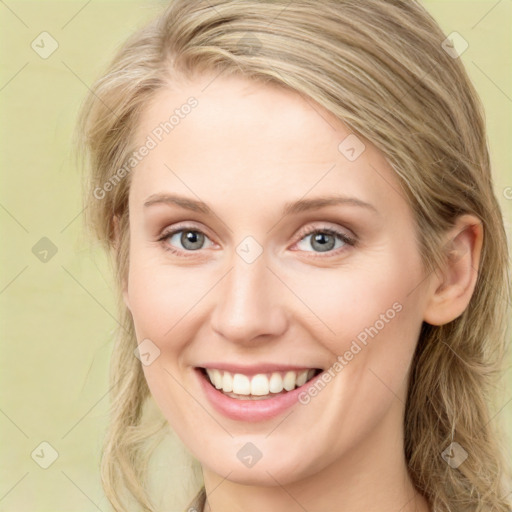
380,68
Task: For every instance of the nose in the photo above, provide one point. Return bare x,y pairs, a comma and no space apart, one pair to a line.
250,303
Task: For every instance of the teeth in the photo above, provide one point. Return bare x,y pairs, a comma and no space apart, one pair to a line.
276,383
289,381
227,382
260,384
216,379
302,377
241,384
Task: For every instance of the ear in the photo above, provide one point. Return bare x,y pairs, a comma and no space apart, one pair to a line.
116,243
452,286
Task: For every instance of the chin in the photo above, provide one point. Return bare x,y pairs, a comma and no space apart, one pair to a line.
270,472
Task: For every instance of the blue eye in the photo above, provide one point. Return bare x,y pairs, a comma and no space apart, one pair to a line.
325,240
191,239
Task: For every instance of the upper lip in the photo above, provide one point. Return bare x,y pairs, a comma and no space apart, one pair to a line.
255,369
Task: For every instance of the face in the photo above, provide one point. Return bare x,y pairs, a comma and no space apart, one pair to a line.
267,249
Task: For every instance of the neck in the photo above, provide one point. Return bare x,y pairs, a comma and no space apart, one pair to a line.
371,477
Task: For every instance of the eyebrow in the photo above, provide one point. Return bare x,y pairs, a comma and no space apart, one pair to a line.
302,205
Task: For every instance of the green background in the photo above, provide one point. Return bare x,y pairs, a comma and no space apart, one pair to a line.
58,317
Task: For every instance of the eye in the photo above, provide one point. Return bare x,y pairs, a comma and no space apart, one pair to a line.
324,239
187,239
184,239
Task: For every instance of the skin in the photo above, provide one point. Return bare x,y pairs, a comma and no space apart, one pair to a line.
246,150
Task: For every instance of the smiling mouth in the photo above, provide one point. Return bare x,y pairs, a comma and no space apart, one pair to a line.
261,386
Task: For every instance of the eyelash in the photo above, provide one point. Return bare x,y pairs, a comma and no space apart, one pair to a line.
326,230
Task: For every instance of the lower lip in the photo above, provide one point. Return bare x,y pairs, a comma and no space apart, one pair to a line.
250,410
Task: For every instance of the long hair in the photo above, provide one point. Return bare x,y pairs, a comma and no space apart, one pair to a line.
380,67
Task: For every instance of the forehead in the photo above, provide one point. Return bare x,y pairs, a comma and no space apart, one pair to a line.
244,136
239,109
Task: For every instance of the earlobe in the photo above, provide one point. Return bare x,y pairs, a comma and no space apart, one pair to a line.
453,285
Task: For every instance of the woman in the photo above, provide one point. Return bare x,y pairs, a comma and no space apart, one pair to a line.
310,257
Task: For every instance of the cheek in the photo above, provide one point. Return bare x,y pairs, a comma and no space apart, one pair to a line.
369,321
149,304
161,296
360,303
